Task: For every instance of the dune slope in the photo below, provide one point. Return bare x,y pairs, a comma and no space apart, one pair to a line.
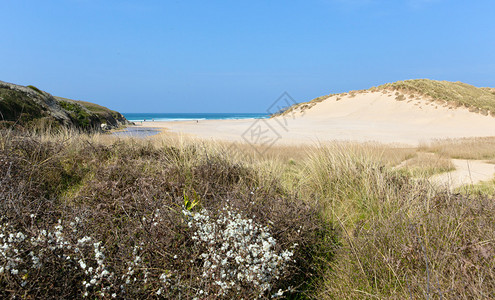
382,115
389,116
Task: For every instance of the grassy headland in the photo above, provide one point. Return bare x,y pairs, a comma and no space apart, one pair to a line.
164,218
29,107
105,115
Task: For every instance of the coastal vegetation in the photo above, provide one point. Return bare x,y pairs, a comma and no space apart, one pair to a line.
91,216
465,148
100,216
111,118
453,93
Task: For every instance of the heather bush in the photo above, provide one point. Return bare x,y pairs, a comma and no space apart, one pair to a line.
84,219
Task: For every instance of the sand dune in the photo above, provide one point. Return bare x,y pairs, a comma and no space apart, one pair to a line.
368,116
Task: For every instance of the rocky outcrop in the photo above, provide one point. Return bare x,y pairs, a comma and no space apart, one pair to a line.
27,106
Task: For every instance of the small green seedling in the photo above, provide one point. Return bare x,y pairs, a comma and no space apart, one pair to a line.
188,204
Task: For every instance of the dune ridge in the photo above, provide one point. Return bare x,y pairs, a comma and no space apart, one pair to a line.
453,94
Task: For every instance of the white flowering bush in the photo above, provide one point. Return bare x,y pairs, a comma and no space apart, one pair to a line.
23,254
237,251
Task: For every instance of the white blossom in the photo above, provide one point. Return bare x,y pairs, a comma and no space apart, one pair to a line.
238,250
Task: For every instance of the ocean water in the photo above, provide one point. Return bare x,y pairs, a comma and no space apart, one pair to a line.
138,117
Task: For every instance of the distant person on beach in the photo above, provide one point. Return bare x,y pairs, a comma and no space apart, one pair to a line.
145,120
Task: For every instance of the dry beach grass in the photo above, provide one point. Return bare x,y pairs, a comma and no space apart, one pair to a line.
467,148
353,225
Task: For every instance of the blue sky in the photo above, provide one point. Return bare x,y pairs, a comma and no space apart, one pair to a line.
239,56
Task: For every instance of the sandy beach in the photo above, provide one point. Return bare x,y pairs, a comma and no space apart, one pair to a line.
369,116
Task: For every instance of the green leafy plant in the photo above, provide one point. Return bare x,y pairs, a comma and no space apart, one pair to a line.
189,203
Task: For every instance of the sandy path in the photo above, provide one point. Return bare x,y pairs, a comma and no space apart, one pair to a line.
467,172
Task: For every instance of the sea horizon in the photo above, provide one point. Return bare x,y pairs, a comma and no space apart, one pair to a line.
140,117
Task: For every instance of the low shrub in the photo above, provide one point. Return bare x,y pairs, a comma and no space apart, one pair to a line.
129,220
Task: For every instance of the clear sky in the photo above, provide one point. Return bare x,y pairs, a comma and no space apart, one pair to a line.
239,56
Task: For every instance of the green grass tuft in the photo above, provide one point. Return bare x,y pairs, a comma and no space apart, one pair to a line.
35,89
